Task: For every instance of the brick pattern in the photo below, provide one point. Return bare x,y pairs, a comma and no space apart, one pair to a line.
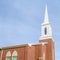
34,52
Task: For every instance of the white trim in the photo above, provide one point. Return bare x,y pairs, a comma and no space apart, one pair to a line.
46,37
14,53
38,43
8,53
30,45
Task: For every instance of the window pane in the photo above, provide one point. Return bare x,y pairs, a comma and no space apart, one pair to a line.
7,58
45,31
14,58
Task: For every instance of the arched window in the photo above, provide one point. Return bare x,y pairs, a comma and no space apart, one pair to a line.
14,55
45,31
8,55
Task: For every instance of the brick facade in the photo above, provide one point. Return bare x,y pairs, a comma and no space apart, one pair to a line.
33,52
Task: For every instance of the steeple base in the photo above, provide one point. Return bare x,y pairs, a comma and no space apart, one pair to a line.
46,37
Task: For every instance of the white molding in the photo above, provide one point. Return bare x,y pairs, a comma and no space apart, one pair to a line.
8,53
14,53
46,37
30,45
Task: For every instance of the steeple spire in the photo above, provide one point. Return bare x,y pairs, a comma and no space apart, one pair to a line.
46,27
46,19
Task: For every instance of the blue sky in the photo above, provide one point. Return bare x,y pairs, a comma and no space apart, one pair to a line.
20,21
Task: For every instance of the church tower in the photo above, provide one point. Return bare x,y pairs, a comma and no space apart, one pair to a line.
46,37
46,27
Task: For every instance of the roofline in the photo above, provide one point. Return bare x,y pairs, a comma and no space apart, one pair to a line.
16,46
41,43
23,45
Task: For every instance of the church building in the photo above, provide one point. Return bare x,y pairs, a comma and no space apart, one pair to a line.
44,50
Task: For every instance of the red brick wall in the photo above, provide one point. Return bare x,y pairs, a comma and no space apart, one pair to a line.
22,53
32,52
38,52
0,54
49,49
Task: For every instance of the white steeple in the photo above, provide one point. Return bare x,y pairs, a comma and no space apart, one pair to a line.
46,20
46,31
